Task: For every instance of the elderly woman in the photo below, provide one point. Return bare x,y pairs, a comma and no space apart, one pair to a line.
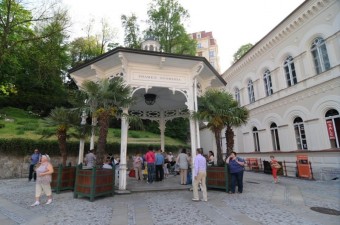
43,183
236,168
211,158
183,162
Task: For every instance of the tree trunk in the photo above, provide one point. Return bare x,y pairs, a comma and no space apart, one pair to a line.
62,146
103,121
220,161
229,133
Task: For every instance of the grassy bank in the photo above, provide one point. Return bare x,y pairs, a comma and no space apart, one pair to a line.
17,123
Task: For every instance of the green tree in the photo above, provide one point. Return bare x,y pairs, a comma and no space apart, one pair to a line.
166,20
108,96
177,128
107,35
238,116
40,82
218,109
33,53
84,49
132,32
63,119
241,51
16,33
15,23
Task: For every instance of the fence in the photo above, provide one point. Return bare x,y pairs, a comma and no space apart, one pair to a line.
288,168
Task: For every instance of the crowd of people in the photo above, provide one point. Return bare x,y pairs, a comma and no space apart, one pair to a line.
153,166
156,165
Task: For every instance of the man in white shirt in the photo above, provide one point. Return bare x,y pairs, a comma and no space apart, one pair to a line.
200,174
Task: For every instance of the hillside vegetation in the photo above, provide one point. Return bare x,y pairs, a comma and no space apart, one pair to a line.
17,123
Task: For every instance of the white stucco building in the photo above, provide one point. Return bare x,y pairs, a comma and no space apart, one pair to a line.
290,82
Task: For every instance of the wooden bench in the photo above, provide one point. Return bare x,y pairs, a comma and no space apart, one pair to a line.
253,164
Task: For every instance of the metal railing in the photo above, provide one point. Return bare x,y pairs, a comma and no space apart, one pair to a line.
288,168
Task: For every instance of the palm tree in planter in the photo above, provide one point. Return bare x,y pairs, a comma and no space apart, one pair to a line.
220,110
104,99
63,119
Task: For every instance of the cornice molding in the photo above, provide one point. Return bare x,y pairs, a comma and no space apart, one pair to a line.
293,22
298,97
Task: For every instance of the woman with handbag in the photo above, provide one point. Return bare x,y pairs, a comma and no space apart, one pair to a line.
44,177
275,167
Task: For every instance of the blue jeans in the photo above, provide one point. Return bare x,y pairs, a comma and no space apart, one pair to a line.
32,173
151,172
237,178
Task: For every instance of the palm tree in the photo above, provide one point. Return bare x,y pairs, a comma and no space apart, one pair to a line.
240,117
219,109
105,98
63,119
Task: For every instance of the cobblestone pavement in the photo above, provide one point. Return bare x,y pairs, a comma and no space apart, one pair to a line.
285,203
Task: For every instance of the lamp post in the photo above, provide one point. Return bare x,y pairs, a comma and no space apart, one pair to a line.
82,138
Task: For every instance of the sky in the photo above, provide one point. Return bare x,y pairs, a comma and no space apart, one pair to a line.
233,23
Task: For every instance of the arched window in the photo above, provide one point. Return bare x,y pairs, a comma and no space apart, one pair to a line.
256,139
275,136
145,47
289,68
320,55
300,134
267,83
251,91
333,127
237,96
151,48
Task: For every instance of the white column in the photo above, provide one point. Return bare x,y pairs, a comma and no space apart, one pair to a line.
198,141
192,123
193,142
123,148
94,123
82,139
162,130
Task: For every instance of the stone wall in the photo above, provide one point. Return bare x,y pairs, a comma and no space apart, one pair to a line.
18,166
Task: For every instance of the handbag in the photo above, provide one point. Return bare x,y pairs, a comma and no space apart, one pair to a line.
276,165
132,173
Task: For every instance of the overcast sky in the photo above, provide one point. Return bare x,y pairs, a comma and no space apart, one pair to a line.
233,23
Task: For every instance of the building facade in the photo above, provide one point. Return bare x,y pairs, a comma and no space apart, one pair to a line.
290,83
207,47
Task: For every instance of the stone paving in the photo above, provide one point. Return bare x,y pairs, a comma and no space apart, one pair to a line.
262,202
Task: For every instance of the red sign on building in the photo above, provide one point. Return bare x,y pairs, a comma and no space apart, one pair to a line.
330,129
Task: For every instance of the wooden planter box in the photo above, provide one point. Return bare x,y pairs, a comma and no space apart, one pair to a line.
94,182
218,177
63,178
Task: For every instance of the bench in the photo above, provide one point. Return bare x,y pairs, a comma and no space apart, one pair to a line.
253,164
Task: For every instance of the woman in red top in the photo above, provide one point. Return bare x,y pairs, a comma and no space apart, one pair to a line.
275,167
150,159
